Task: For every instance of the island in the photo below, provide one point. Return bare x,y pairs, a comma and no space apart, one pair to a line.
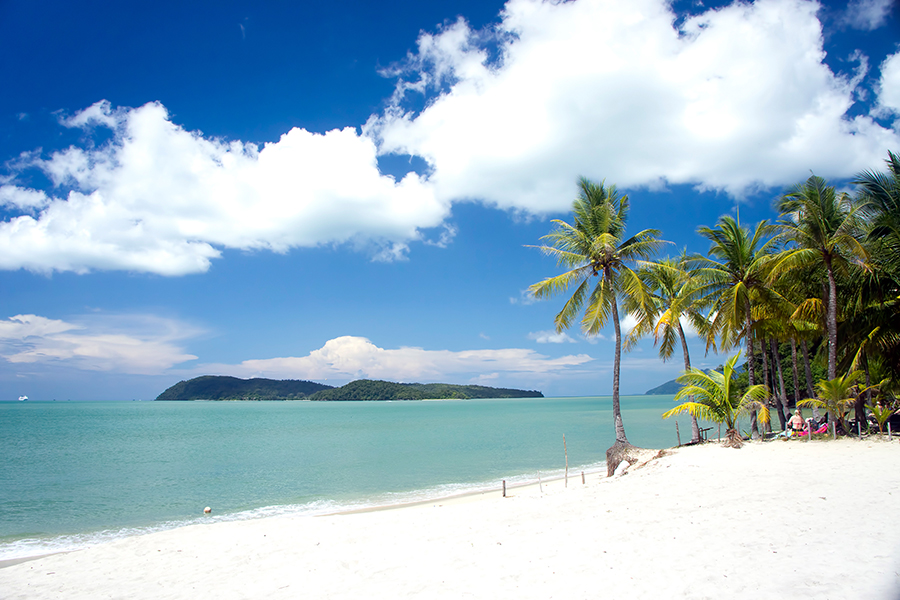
218,387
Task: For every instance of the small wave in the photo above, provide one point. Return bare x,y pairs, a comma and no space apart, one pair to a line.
39,546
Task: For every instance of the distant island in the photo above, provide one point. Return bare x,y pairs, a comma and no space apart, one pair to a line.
216,387
667,388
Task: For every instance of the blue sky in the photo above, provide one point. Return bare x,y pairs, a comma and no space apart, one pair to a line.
331,191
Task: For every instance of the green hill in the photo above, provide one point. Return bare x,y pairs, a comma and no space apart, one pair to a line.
217,387
669,387
369,389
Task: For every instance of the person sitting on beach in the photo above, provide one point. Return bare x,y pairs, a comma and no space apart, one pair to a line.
797,423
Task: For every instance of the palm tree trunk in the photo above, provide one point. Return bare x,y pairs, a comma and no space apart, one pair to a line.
795,373
831,320
617,412
751,368
809,377
777,358
860,404
695,427
767,379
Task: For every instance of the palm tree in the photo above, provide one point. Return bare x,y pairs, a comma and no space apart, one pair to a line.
716,399
672,297
835,396
824,229
880,298
881,194
598,259
734,284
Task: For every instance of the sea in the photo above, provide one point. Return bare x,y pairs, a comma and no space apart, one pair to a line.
75,474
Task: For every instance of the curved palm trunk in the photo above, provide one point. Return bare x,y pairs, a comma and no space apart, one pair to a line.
751,368
617,412
695,427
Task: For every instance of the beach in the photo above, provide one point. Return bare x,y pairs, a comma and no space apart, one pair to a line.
781,519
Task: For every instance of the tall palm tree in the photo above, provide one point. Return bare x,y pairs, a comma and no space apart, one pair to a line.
822,228
598,259
880,300
881,194
733,280
672,297
717,399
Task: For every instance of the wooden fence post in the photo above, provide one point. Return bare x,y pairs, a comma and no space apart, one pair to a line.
678,433
504,488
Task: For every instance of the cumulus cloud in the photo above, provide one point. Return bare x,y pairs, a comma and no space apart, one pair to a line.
551,337
134,345
732,99
161,199
351,357
867,15
889,85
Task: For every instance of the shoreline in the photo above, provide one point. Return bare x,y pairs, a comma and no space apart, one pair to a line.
376,503
700,521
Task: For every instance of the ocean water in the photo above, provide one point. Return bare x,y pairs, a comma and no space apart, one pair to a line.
74,474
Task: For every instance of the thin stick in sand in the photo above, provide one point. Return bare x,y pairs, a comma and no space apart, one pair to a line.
566,450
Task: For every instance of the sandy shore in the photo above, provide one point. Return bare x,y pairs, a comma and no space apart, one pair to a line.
785,519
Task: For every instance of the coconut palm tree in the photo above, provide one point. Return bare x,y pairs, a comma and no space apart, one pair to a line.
673,297
599,261
733,280
716,399
822,228
836,396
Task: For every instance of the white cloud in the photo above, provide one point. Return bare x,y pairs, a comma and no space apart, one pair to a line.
135,345
627,323
867,15
165,200
524,298
551,337
889,85
733,99
351,357
736,99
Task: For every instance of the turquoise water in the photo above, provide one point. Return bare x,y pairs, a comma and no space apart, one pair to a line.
75,473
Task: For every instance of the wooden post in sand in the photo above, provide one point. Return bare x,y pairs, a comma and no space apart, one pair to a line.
890,437
504,488
858,429
566,450
540,485
678,433
809,430
834,429
720,432
582,478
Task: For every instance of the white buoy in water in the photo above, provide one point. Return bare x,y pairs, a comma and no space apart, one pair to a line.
207,510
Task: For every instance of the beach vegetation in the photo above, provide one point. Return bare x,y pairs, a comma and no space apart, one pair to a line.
672,298
600,263
714,396
733,281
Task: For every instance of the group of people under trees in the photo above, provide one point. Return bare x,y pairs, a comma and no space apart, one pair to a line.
823,280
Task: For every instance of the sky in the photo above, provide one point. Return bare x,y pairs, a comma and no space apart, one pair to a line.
344,190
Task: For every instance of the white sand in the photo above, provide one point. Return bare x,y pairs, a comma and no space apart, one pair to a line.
776,520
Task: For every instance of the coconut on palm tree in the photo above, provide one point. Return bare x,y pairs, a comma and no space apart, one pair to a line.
715,398
599,261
